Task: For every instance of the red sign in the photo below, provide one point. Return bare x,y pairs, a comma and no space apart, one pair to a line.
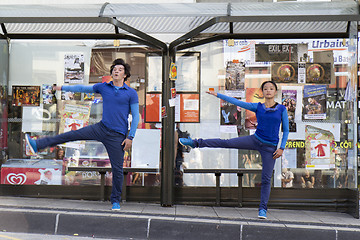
30,176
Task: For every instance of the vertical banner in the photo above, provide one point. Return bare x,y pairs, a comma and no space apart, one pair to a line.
319,148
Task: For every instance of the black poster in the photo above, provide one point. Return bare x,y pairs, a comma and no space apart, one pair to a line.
276,53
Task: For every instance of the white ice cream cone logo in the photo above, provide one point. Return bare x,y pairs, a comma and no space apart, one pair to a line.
16,179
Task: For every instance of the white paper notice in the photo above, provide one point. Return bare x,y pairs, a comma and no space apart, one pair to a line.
191,104
228,129
146,148
32,119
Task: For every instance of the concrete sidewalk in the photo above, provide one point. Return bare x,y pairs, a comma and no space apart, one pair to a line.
151,221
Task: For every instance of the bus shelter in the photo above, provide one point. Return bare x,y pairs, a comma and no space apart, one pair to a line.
230,47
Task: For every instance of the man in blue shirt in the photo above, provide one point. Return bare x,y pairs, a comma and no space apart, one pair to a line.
118,101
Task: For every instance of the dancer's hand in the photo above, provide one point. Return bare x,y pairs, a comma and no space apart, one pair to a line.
56,88
127,143
212,93
278,153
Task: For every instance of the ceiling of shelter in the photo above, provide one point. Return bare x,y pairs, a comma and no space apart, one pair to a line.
192,20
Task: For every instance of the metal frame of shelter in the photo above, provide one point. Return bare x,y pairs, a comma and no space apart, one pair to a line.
195,23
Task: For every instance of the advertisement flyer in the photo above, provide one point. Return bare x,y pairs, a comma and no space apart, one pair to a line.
74,68
30,176
276,52
314,101
288,99
318,73
319,148
26,95
48,96
235,76
254,95
284,72
74,116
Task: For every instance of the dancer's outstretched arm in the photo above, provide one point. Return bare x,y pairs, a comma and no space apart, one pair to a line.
75,88
246,105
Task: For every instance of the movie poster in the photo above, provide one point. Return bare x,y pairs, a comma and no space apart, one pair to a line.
319,148
276,52
48,96
288,99
74,115
230,114
254,95
74,68
319,73
314,101
284,72
26,95
235,76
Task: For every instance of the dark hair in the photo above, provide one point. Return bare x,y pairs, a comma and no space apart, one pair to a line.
120,61
263,84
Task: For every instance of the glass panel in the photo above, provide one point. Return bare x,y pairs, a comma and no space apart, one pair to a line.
46,61
316,85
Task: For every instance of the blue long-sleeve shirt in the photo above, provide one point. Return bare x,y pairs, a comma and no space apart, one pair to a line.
118,102
269,120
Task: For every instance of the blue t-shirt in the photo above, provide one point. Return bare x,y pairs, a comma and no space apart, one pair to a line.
269,120
116,105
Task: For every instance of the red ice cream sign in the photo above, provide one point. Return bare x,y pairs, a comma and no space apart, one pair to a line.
30,176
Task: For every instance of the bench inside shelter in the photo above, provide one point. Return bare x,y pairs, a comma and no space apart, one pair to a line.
104,170
239,172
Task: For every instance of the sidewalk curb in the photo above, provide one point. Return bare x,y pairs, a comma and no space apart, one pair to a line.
107,224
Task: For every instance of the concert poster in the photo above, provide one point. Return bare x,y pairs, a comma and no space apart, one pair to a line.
26,95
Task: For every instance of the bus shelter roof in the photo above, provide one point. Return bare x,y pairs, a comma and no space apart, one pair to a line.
194,22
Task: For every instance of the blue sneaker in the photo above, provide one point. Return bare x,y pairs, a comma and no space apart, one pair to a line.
262,214
116,206
30,146
187,142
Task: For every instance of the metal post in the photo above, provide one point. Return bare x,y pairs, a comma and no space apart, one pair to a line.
167,137
240,193
218,189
